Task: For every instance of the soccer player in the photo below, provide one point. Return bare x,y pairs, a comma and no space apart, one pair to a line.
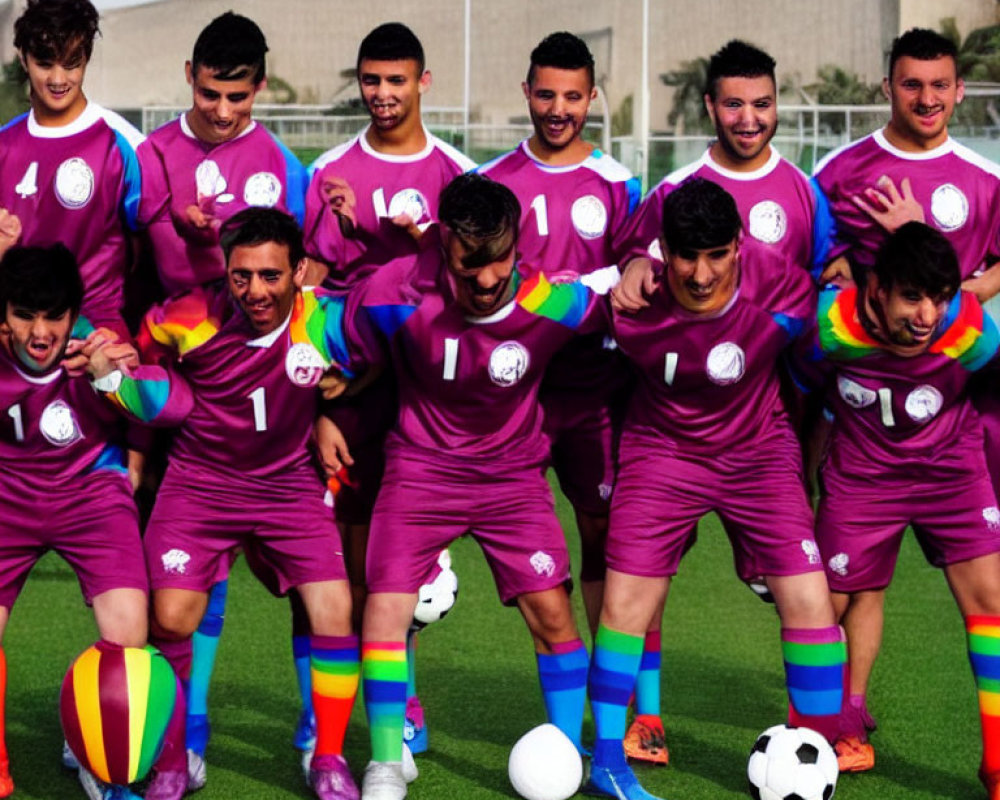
707,419
63,481
367,200
239,474
911,169
907,446
198,171
574,202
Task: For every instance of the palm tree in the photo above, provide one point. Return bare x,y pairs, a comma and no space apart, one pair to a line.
689,90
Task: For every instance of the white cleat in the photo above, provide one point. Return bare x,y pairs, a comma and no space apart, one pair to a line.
410,771
197,774
383,780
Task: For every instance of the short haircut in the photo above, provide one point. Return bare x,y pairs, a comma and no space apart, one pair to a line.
483,214
919,258
257,225
698,215
391,41
41,279
233,47
562,50
922,44
57,30
737,59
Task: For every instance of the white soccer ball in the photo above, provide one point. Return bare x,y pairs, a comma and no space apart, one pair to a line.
792,764
436,598
545,765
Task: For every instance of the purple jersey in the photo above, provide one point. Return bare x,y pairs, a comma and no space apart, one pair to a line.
180,172
79,185
956,187
777,205
384,186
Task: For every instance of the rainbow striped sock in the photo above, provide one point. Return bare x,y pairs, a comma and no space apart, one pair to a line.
563,676
383,669
983,634
411,663
814,673
613,668
647,683
335,674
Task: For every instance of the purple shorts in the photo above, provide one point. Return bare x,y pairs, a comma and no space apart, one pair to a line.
286,531
859,526
426,504
758,494
92,523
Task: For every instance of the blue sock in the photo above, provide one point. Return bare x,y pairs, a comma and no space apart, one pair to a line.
411,664
563,676
302,653
205,643
612,677
647,682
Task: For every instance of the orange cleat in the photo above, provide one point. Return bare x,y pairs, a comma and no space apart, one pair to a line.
6,782
853,755
645,740
991,780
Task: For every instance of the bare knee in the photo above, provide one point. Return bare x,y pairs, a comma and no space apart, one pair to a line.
177,613
549,617
122,616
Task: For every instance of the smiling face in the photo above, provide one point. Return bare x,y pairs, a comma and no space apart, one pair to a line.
221,109
56,87
558,102
745,115
263,283
923,94
37,338
391,92
907,318
480,291
702,280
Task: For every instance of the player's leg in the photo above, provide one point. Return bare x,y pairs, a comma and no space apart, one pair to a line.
204,646
122,616
645,739
862,616
6,782
304,737
593,536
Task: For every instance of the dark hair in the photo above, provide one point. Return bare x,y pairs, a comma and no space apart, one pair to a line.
56,30
233,47
257,225
922,44
919,258
483,214
562,50
737,59
392,41
699,214
45,279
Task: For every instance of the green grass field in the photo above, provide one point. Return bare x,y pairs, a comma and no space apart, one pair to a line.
722,685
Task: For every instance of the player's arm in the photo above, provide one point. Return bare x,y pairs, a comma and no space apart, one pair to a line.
984,285
10,230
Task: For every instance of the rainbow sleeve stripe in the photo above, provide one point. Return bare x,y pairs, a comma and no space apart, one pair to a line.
840,331
318,319
971,338
82,328
143,397
565,303
183,323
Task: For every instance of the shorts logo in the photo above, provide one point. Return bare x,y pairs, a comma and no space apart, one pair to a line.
811,550
854,394
949,207
508,363
58,424
838,564
923,403
74,183
768,222
604,491
304,365
726,363
590,217
992,517
208,178
262,189
655,250
175,561
410,202
543,564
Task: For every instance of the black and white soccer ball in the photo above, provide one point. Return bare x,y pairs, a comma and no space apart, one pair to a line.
436,598
792,764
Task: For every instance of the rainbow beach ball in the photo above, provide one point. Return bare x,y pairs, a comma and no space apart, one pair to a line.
115,705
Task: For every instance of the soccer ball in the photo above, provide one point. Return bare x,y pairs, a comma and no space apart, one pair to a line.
436,598
115,705
545,765
792,764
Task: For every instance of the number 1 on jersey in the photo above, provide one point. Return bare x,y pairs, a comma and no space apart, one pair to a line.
539,206
14,412
259,409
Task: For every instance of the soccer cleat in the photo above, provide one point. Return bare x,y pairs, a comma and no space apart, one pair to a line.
645,740
383,780
197,774
415,727
99,790
410,771
853,755
991,780
618,783
168,784
6,782
330,778
68,759
304,737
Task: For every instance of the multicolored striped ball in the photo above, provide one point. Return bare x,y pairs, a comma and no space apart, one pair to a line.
115,704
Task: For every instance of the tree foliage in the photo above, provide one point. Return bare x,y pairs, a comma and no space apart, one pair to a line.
688,108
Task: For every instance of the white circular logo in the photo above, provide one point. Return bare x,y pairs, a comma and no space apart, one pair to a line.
949,207
208,178
590,217
58,424
508,363
262,189
410,202
726,363
923,403
655,250
838,563
304,364
991,516
74,183
854,394
767,222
